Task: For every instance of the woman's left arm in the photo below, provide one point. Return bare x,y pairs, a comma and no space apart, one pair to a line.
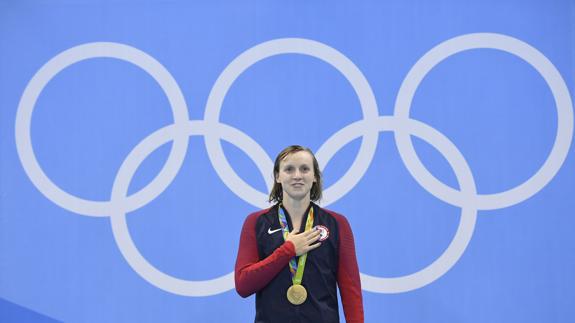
348,274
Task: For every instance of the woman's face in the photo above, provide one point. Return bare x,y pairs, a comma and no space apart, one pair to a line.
296,175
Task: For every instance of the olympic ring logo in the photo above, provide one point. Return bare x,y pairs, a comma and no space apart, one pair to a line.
368,129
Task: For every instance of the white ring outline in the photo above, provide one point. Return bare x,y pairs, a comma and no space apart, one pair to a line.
530,55
118,219
290,46
464,177
35,87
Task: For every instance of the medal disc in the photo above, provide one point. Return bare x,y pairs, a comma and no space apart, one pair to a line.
296,294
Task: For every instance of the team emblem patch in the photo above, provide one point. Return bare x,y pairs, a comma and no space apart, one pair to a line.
323,232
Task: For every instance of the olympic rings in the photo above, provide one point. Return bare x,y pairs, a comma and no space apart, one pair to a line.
368,129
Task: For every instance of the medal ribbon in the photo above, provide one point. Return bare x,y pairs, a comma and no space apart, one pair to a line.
296,268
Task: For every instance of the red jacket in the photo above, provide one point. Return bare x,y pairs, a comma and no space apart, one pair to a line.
262,268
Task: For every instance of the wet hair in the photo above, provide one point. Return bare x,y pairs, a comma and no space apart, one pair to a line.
276,194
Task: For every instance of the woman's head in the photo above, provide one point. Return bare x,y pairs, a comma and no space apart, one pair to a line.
296,174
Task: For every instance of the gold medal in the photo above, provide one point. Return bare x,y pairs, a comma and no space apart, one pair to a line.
296,294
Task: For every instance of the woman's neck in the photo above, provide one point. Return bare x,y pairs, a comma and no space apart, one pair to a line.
296,208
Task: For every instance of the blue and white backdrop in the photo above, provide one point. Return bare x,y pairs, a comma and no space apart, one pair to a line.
137,135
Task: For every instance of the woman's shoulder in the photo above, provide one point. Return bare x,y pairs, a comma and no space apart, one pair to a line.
336,216
254,216
332,213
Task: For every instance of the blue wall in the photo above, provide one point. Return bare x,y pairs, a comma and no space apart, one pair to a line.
137,135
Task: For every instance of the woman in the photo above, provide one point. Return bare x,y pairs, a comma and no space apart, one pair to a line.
278,243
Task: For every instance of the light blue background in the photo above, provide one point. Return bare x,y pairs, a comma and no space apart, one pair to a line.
495,107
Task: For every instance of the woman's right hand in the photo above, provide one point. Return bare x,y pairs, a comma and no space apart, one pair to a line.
304,242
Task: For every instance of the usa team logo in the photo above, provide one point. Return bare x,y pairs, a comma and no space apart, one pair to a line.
323,232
